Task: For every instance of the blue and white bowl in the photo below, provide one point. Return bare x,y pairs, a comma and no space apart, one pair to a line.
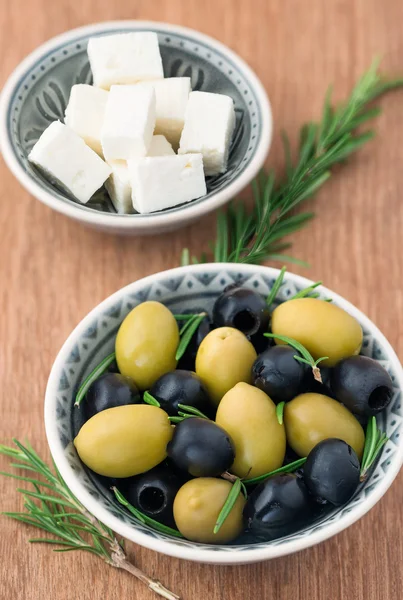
196,287
38,91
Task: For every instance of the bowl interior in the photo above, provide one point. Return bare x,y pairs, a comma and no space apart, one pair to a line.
196,289
42,94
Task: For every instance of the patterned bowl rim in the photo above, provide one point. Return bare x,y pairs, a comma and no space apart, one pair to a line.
129,222
198,553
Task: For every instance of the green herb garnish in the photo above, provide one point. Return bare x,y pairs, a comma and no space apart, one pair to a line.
308,291
256,236
186,412
276,286
232,497
280,412
290,468
149,399
374,442
187,332
145,519
305,357
97,372
53,508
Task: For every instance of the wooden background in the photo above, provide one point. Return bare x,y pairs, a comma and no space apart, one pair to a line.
52,272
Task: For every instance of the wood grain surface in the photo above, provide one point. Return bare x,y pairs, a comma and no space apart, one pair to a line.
52,272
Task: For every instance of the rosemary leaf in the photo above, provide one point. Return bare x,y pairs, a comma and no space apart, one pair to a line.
306,291
187,333
144,518
374,442
149,399
290,468
276,286
280,412
97,372
191,410
232,497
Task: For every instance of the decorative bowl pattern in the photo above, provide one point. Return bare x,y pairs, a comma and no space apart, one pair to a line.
198,286
38,93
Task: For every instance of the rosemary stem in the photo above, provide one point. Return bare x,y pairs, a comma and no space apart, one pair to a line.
229,477
120,561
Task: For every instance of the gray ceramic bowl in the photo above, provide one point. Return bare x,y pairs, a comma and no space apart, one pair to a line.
37,94
196,288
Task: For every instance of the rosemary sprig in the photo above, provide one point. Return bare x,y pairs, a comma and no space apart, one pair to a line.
280,412
97,372
187,332
145,519
290,468
257,236
58,512
374,442
305,357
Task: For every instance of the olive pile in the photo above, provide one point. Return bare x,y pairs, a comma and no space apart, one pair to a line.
178,436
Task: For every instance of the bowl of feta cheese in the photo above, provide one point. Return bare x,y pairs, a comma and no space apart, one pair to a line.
134,127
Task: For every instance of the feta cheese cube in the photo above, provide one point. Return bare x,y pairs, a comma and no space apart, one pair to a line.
209,125
160,182
160,146
66,159
119,187
85,114
125,58
172,96
129,122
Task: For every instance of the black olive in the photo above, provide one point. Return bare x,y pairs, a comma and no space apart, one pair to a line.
180,387
278,506
362,384
312,385
332,471
201,447
153,493
108,391
279,375
188,360
243,309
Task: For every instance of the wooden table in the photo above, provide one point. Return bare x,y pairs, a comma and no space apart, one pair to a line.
53,272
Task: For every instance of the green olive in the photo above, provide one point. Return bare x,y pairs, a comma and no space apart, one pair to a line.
249,416
125,440
311,418
322,327
224,358
146,344
197,506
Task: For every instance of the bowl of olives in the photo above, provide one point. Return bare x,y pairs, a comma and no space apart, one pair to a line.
226,413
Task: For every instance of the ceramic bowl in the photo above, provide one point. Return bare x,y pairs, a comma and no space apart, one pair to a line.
196,287
38,91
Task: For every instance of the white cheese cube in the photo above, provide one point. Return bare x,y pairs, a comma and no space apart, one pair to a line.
119,187
209,125
172,96
160,182
85,114
160,146
129,122
125,58
66,159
